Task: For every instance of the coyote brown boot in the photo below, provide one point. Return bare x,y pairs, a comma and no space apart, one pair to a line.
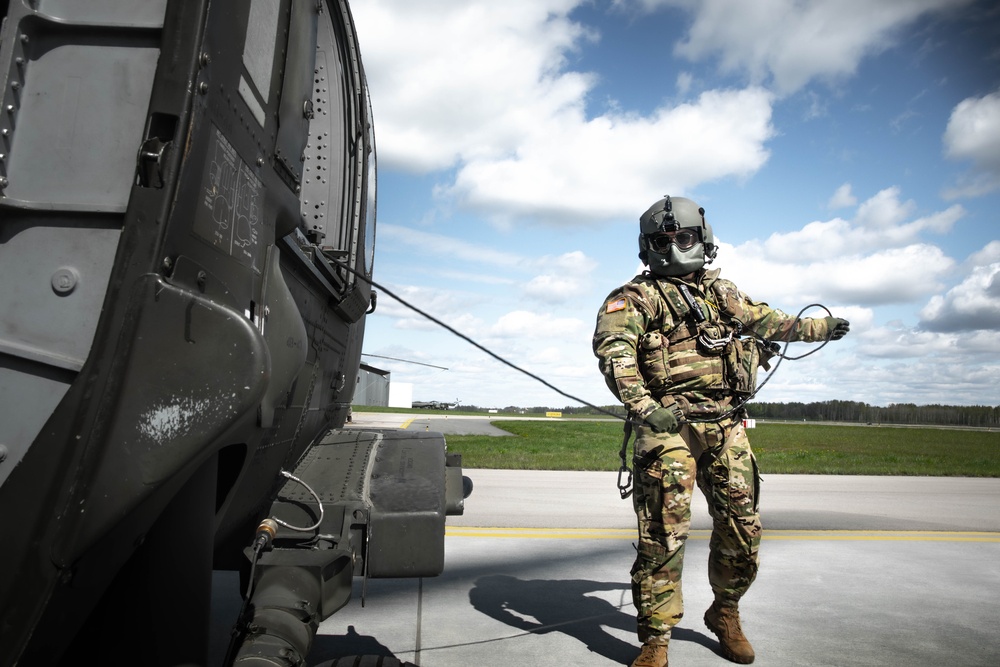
725,623
652,655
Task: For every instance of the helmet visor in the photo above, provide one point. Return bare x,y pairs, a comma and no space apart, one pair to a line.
684,239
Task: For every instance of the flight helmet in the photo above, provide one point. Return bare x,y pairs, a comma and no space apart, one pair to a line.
674,238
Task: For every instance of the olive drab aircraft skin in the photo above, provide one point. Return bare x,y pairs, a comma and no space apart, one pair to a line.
187,226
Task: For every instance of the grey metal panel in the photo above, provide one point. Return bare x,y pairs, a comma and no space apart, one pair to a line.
395,478
27,398
407,492
55,279
285,335
125,13
323,188
296,107
78,124
75,79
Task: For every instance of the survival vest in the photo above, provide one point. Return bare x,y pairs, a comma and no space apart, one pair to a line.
697,348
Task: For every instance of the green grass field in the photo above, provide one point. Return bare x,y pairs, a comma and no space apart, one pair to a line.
780,448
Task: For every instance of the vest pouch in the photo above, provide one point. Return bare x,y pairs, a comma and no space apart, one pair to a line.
653,360
740,363
713,339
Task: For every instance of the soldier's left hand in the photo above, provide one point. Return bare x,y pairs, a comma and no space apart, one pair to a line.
837,327
664,420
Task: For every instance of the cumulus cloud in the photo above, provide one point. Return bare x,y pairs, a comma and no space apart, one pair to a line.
899,364
884,210
484,91
454,80
972,305
988,255
897,275
973,134
930,380
545,278
449,306
483,88
553,176
879,257
842,198
892,276
788,43
881,222
565,278
526,325
441,245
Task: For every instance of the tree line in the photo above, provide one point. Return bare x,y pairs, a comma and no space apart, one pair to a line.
982,416
894,413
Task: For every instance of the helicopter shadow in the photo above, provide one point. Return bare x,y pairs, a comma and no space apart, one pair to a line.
541,606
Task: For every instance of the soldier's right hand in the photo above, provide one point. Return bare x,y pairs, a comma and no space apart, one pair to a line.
837,327
663,420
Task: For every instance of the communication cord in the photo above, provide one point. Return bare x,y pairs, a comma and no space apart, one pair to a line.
781,357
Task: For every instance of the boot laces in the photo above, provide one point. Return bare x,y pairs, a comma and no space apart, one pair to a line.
728,620
648,654
731,617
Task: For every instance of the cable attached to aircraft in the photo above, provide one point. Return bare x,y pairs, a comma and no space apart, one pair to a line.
470,340
288,475
264,541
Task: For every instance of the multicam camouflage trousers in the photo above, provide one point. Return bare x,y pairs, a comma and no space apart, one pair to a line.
666,467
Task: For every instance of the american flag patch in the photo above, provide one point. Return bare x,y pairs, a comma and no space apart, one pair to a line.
615,306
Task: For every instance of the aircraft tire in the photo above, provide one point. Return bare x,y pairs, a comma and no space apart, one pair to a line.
369,661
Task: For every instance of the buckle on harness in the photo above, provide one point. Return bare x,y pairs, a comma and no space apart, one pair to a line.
625,489
714,344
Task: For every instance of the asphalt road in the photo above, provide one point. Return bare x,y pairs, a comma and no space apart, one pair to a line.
855,571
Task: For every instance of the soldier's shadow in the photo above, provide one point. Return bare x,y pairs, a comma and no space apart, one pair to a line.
541,606
328,648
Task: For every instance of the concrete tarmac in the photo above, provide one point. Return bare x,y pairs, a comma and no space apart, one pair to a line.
855,571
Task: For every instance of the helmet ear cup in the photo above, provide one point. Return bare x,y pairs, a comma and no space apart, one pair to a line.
710,248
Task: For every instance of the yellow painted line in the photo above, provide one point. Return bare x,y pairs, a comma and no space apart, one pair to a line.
804,535
543,533
407,423
883,536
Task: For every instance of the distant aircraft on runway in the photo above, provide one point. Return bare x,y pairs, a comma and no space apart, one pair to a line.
434,405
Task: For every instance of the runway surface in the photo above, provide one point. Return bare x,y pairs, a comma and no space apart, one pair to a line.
854,571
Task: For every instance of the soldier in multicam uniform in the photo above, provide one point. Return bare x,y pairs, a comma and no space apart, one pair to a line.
680,348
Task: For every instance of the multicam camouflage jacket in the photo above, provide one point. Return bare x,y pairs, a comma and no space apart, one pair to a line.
663,341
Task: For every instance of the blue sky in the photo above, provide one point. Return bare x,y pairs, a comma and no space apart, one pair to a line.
847,153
